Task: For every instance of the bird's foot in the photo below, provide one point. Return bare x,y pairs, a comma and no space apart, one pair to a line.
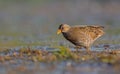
77,49
89,52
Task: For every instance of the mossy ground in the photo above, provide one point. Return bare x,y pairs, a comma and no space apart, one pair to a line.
63,53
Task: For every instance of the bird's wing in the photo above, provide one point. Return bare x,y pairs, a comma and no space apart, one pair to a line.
95,31
88,34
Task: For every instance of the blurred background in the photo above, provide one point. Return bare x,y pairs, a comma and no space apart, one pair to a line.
36,21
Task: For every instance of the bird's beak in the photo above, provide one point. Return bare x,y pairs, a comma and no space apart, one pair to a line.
59,31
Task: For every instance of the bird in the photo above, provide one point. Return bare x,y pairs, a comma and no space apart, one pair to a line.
82,36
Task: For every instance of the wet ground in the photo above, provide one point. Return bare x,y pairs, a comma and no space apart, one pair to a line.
60,60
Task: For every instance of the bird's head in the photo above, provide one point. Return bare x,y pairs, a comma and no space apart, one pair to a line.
63,28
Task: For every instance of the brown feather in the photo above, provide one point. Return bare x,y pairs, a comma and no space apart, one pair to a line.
82,35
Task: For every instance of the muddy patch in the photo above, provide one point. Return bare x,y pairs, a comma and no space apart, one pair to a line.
60,60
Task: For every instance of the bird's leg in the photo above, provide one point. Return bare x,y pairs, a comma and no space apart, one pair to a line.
77,49
88,49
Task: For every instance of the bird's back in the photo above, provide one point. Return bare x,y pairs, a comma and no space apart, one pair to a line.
93,31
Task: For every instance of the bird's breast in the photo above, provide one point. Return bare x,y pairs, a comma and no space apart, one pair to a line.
72,38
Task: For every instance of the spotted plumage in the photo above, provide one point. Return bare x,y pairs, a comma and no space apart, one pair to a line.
81,36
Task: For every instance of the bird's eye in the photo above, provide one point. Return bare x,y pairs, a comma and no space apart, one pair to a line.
62,28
